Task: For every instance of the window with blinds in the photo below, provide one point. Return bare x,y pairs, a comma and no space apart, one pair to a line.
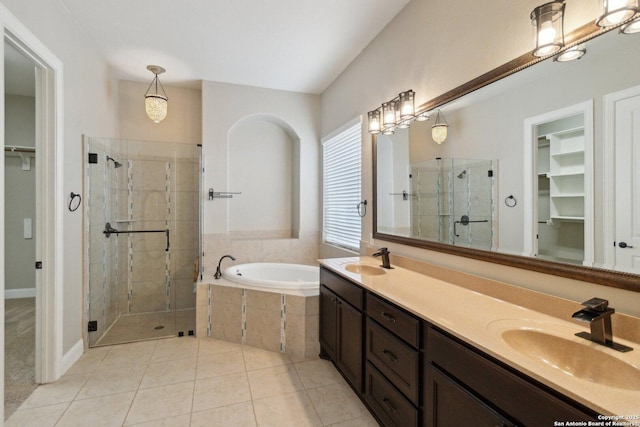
341,187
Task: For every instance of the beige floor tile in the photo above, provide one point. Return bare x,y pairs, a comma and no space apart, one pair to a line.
107,411
138,353
37,417
220,364
275,381
238,415
209,346
111,381
293,409
256,358
89,360
366,421
335,403
63,390
177,421
161,402
317,373
175,348
169,372
220,391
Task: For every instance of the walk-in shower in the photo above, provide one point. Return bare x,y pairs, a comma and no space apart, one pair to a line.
142,239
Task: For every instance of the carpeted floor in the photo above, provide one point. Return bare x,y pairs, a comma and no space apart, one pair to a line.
19,352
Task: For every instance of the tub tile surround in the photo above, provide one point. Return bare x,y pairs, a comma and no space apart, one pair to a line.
266,320
193,382
260,246
474,309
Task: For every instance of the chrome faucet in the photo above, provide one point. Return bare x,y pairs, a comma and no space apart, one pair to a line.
218,273
384,254
598,315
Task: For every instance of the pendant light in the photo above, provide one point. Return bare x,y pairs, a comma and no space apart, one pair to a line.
439,129
155,102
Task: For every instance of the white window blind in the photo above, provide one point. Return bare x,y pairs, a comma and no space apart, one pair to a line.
341,187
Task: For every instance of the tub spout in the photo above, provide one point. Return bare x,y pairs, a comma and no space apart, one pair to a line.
218,273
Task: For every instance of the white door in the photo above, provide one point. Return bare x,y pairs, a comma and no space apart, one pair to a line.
626,146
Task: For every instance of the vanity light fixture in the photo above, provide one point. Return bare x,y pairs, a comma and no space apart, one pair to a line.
393,114
631,27
616,11
571,54
439,129
155,102
548,22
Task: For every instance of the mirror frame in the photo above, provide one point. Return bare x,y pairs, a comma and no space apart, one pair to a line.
599,276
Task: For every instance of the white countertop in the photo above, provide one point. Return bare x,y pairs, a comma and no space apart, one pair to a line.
479,320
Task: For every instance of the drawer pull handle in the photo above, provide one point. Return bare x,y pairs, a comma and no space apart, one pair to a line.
388,404
392,357
387,316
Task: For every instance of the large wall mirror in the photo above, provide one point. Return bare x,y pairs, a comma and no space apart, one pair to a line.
524,176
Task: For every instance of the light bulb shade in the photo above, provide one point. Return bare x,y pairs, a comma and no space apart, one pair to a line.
571,54
439,129
616,11
374,122
407,110
548,24
156,107
631,27
388,114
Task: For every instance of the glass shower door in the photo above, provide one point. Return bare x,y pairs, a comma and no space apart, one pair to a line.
143,239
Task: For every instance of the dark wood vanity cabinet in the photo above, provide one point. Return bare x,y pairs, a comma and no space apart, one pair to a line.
392,372
461,384
342,326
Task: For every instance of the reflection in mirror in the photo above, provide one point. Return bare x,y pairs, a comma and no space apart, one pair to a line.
489,124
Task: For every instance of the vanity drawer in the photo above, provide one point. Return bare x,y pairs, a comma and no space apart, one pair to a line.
387,402
398,321
349,292
523,400
396,360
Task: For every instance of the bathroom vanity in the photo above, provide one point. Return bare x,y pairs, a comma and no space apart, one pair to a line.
424,352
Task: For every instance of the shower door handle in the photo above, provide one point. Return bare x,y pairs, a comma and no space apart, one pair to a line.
109,230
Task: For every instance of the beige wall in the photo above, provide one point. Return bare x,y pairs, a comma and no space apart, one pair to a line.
183,123
431,47
90,108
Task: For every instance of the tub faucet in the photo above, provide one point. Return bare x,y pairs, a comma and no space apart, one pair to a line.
597,314
384,254
218,273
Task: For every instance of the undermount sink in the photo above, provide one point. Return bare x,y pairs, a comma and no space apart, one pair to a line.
364,269
576,359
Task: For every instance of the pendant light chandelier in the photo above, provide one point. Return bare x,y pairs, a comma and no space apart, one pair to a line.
155,102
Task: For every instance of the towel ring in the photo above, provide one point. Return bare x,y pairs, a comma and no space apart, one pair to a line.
73,197
510,201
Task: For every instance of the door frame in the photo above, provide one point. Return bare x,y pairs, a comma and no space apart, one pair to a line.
50,200
530,202
609,157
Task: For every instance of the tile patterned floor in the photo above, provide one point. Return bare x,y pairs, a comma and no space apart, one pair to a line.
189,382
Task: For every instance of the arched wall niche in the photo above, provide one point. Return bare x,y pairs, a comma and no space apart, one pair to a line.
264,165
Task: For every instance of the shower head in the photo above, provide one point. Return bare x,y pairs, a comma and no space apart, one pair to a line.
116,163
462,174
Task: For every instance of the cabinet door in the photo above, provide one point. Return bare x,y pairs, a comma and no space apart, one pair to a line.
448,404
350,346
328,324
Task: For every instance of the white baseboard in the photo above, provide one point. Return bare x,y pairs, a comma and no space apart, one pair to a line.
72,356
20,293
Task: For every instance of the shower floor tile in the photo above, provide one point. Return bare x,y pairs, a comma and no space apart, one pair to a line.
148,326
